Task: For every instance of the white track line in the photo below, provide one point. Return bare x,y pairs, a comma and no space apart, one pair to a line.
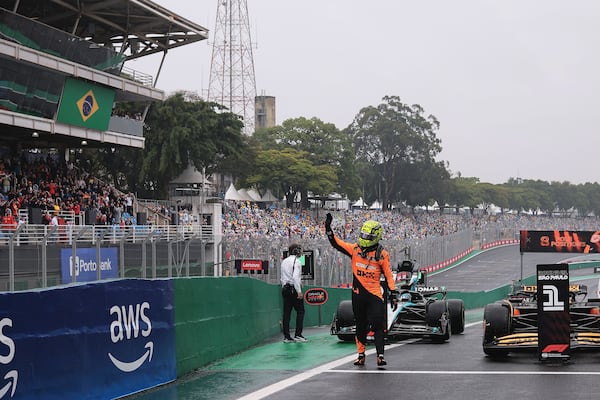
454,372
284,384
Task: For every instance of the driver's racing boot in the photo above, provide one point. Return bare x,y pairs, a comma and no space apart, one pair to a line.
360,360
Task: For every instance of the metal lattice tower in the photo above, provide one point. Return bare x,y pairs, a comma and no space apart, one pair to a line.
232,82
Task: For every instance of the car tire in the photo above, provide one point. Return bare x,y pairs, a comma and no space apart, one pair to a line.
344,313
344,317
456,309
436,315
497,323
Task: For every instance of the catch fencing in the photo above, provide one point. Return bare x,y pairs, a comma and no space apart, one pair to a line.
40,256
333,269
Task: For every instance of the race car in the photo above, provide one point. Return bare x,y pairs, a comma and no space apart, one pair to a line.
423,311
511,324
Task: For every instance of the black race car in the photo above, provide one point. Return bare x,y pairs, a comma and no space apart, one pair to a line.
511,324
423,311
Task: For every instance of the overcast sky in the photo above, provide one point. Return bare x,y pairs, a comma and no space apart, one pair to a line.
515,84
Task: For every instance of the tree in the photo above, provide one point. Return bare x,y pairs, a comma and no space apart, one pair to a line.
180,133
425,182
118,166
289,171
323,145
466,193
392,136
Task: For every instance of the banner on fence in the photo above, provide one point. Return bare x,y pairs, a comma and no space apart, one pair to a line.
94,341
85,264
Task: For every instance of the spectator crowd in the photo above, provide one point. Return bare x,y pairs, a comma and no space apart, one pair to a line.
245,220
43,181
36,181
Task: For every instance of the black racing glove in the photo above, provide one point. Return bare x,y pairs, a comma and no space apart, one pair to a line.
328,220
394,294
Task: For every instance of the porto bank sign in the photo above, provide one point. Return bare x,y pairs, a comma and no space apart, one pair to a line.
84,266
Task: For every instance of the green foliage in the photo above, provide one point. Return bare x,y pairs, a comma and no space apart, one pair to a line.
311,156
289,171
181,132
117,166
388,153
391,138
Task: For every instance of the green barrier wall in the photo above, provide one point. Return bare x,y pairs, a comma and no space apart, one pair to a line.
218,317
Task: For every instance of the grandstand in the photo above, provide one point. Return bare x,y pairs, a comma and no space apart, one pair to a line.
63,74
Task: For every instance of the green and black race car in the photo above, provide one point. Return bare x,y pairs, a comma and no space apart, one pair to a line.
423,310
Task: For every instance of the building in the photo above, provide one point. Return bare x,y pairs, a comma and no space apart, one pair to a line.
63,69
264,110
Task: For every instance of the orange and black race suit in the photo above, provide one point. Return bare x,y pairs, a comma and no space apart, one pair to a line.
368,302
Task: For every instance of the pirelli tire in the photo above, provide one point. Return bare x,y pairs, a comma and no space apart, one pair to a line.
456,309
497,321
345,318
436,315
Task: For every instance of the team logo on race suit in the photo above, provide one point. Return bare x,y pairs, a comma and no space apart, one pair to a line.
131,323
7,355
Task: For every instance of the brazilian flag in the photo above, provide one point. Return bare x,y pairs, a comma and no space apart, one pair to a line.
85,104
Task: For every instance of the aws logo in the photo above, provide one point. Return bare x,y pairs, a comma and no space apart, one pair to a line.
130,323
87,105
7,355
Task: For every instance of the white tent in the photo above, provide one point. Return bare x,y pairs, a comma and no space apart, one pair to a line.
375,206
244,195
254,195
233,194
192,176
269,197
359,203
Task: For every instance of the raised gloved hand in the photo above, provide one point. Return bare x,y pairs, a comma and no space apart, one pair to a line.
328,220
394,294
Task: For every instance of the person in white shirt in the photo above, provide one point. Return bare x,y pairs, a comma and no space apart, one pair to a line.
291,290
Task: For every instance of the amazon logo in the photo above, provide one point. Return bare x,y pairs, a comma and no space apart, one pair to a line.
8,384
130,323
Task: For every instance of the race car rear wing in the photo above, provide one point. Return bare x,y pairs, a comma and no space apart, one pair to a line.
521,293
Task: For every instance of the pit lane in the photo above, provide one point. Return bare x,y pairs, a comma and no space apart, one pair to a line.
322,368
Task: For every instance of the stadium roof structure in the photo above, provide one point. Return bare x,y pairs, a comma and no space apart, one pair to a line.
135,28
131,28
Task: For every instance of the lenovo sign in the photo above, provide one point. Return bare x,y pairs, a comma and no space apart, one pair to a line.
252,266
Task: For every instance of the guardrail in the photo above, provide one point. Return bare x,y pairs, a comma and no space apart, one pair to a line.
25,234
40,256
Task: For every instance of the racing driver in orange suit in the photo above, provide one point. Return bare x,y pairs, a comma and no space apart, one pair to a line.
369,261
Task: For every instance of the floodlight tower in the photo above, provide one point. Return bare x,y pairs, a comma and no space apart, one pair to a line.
232,82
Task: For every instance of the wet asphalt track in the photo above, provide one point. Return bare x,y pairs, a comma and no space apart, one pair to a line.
417,369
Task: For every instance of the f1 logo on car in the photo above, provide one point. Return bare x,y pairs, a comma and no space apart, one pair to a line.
555,348
553,303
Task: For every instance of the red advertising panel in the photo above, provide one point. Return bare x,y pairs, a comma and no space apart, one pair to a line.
560,241
252,266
